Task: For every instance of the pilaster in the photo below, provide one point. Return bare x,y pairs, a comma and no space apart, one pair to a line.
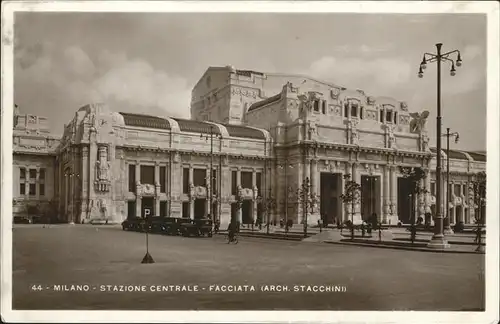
394,218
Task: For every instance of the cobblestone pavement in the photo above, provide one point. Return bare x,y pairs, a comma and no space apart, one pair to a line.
98,256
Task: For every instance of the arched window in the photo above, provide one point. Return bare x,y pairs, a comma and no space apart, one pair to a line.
354,110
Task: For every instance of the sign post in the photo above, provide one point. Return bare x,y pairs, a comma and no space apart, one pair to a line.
147,258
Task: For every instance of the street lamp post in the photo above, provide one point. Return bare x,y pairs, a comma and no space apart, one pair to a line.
211,177
438,240
447,229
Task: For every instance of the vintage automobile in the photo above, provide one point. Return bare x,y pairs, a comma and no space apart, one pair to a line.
197,227
170,226
133,224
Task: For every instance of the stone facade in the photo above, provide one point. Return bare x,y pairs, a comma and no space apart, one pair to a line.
265,136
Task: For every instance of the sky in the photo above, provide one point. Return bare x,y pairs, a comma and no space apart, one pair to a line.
149,62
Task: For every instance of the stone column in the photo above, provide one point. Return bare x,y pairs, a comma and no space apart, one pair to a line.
138,197
157,189
315,214
85,182
394,218
428,195
239,217
209,190
387,198
254,200
37,183
356,176
191,200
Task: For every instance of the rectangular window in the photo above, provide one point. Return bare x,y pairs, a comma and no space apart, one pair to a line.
381,116
22,189
457,189
433,188
388,116
41,187
185,209
354,110
395,117
148,174
41,175
131,178
32,173
200,177
234,185
258,179
316,105
246,179
22,174
32,188
362,113
163,186
185,180
323,107
346,110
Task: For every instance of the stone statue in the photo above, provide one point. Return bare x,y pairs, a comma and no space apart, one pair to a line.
425,142
103,164
311,129
417,124
240,190
255,192
391,138
191,189
404,106
352,126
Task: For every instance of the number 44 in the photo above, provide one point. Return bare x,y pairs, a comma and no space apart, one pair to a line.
36,287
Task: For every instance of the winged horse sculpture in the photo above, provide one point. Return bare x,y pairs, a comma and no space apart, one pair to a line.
417,124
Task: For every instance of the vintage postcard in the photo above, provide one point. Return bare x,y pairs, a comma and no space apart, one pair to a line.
332,162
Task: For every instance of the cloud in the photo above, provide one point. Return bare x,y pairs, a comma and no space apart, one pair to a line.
123,83
378,74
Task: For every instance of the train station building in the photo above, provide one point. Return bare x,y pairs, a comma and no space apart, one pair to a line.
265,136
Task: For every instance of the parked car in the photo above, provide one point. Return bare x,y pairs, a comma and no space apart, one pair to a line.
21,220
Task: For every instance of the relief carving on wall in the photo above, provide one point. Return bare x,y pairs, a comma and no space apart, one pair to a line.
370,101
312,131
353,131
103,180
390,137
334,93
404,106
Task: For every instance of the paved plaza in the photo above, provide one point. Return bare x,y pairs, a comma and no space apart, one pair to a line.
105,258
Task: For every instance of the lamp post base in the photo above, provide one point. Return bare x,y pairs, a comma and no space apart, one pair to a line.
148,258
438,242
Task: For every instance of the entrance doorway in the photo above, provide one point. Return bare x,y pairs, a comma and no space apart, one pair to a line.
330,203
404,200
246,212
131,209
148,203
370,197
199,208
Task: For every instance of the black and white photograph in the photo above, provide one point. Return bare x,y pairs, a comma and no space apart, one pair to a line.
250,161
